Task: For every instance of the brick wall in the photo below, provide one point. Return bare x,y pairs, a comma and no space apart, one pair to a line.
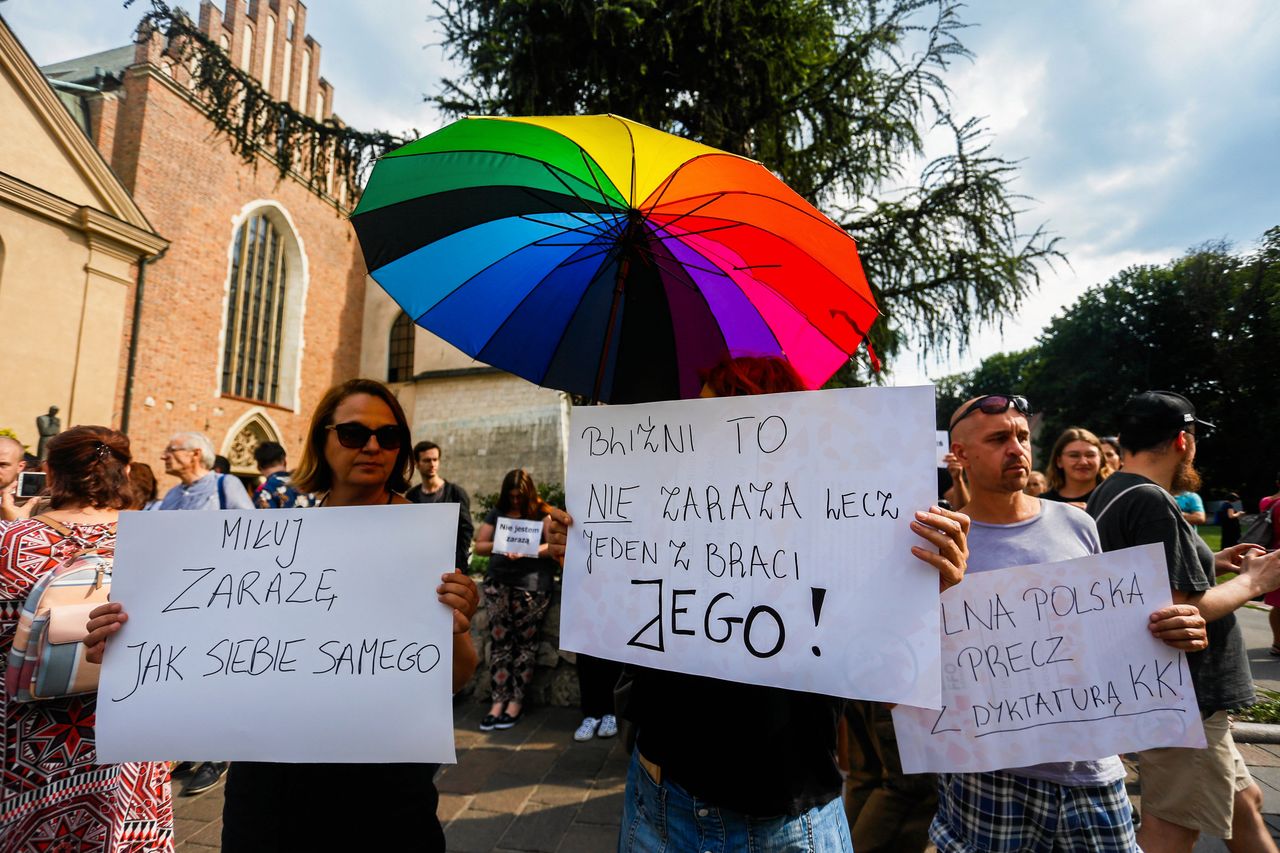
194,191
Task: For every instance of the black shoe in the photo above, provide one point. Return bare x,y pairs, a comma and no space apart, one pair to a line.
182,768
489,721
208,776
506,721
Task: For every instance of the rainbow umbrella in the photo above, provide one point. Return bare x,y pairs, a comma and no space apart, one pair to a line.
605,258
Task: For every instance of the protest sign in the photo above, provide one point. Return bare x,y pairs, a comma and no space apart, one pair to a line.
1053,663
281,635
758,539
942,442
517,536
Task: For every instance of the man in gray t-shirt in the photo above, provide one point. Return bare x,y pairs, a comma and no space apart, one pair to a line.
1066,805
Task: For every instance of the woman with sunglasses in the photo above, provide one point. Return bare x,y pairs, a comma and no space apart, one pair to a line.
357,454
1076,468
517,593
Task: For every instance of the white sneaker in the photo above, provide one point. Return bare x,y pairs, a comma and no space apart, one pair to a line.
608,726
587,730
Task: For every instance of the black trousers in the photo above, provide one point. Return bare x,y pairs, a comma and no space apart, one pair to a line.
597,678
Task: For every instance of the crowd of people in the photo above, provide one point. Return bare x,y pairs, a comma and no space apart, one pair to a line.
775,770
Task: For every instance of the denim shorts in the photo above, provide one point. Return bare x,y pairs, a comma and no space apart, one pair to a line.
664,818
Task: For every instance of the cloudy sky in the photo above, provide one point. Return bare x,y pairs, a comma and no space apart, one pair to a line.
1143,126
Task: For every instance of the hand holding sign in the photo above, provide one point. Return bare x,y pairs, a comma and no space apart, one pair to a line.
517,537
1057,662
717,537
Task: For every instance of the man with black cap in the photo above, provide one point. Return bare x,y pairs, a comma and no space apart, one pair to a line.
1189,791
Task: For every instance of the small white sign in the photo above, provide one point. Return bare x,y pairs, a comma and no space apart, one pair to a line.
1053,663
764,540
310,635
519,537
942,439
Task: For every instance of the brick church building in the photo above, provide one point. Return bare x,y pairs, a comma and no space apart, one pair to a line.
261,300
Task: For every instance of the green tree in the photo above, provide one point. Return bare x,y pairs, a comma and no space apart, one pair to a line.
836,96
1206,325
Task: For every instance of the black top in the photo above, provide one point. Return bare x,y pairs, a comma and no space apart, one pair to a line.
287,807
1147,515
451,493
759,751
529,573
1055,495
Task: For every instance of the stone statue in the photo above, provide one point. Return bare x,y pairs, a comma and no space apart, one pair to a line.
48,425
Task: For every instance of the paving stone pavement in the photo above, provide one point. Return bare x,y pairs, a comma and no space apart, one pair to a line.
532,788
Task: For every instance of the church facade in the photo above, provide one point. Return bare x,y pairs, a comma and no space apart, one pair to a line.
261,300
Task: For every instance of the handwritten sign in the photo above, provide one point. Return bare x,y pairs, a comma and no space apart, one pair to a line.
281,635
760,539
942,442
1053,663
517,536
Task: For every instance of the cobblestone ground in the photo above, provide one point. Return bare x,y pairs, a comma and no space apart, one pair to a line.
530,788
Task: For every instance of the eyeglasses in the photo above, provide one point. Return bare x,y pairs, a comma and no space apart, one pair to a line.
170,451
354,436
994,404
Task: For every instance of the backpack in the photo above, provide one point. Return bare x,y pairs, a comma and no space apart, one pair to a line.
47,659
1257,527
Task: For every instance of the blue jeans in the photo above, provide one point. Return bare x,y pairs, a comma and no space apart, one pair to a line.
664,818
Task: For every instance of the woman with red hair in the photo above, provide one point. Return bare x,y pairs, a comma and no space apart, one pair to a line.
56,795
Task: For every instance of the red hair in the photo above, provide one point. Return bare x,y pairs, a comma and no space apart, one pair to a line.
88,466
749,375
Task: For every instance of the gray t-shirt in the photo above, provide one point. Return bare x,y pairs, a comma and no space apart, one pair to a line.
1059,532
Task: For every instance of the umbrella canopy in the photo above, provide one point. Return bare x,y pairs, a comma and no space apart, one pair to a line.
605,258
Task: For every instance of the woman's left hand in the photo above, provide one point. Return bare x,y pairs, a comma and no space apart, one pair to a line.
459,592
948,531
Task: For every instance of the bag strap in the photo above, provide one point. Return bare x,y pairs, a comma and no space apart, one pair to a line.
222,493
1124,492
56,525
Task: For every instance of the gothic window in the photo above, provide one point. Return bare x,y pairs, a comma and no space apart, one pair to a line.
246,48
400,350
268,52
255,324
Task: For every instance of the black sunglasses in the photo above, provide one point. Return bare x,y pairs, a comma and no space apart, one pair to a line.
994,404
354,436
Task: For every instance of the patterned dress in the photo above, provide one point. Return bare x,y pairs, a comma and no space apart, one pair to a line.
55,797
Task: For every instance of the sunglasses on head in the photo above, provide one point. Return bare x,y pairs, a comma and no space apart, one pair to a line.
994,404
354,436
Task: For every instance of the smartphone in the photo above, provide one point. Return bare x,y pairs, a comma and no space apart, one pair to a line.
30,484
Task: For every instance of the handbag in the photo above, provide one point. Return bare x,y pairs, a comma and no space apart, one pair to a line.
47,659
1257,527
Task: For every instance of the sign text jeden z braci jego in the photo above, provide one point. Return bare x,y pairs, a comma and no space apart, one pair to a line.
281,635
759,539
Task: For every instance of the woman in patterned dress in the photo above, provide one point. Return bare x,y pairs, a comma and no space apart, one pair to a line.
55,794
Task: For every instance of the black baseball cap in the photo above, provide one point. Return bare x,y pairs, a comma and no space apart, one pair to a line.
1152,417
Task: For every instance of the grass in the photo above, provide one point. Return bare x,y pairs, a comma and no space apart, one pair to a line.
1265,710
1212,535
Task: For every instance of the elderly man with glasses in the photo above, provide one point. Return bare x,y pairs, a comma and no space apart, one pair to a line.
189,457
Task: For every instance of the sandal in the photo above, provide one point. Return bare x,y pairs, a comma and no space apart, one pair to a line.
1275,650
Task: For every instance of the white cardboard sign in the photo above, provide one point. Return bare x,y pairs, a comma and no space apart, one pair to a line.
310,635
763,540
1053,663
517,536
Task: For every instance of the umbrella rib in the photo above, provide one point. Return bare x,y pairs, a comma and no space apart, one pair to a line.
588,161
820,217
715,197
804,316
574,192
